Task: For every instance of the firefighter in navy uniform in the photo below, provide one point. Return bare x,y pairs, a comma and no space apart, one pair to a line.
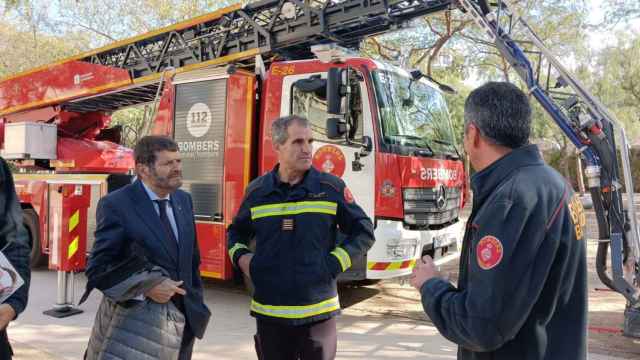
294,213
522,288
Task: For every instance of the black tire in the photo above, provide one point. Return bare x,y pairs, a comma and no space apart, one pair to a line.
248,284
366,282
32,223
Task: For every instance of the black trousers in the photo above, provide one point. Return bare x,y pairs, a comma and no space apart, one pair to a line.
5,348
315,341
186,348
188,339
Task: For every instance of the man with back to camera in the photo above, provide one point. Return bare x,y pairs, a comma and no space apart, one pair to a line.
522,288
294,212
14,244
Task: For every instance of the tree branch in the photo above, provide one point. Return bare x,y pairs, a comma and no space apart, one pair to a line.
379,48
86,27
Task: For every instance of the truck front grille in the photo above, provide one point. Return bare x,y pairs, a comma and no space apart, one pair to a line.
431,207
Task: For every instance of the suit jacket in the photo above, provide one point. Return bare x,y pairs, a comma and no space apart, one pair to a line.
127,217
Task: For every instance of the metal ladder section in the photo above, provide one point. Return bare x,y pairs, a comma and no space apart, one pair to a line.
285,28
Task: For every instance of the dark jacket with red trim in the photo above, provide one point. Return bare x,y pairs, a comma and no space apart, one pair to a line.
14,242
522,291
297,257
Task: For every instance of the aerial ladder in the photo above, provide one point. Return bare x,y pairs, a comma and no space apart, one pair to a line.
250,36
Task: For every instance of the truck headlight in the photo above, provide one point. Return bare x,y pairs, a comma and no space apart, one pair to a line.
402,249
410,219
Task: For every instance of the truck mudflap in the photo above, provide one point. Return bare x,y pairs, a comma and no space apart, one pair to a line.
397,249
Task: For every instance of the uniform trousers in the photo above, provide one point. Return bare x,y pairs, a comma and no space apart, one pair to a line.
314,341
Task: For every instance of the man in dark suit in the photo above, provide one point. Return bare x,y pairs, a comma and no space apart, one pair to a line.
157,217
14,242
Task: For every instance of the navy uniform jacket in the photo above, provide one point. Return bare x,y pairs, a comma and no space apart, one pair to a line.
522,292
297,258
14,240
126,217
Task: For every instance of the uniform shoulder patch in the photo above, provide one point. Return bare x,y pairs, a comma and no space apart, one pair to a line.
348,196
489,252
332,181
577,216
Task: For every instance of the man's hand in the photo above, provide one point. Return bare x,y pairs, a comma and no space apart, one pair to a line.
243,263
424,270
163,292
6,315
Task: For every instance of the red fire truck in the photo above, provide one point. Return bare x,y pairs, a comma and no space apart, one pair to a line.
219,81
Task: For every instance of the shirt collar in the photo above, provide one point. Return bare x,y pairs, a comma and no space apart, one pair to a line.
484,182
152,195
306,182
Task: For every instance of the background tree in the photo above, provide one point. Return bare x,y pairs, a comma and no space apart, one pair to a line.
617,11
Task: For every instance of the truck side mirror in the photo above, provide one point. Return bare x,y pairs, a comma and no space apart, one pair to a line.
336,128
334,91
367,146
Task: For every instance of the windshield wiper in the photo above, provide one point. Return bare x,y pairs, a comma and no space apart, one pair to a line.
424,141
443,142
412,137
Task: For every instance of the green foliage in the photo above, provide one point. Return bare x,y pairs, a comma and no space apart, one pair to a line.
620,11
134,122
43,32
111,20
24,50
456,104
615,78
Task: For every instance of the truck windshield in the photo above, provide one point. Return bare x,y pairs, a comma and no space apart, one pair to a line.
413,116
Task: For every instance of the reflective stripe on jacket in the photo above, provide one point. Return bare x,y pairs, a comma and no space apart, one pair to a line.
297,257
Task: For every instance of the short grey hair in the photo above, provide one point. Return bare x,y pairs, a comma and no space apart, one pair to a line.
502,113
280,126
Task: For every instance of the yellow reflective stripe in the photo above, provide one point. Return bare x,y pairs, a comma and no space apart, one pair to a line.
74,220
395,265
211,274
296,311
293,208
294,212
235,248
280,205
343,257
73,247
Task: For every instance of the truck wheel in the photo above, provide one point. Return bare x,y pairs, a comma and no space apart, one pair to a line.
31,223
248,284
366,282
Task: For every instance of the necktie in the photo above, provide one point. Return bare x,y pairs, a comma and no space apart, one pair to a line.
164,219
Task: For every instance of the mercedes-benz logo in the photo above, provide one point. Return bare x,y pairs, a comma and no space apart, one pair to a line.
441,197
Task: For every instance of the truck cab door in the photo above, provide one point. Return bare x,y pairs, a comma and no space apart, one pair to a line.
336,156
